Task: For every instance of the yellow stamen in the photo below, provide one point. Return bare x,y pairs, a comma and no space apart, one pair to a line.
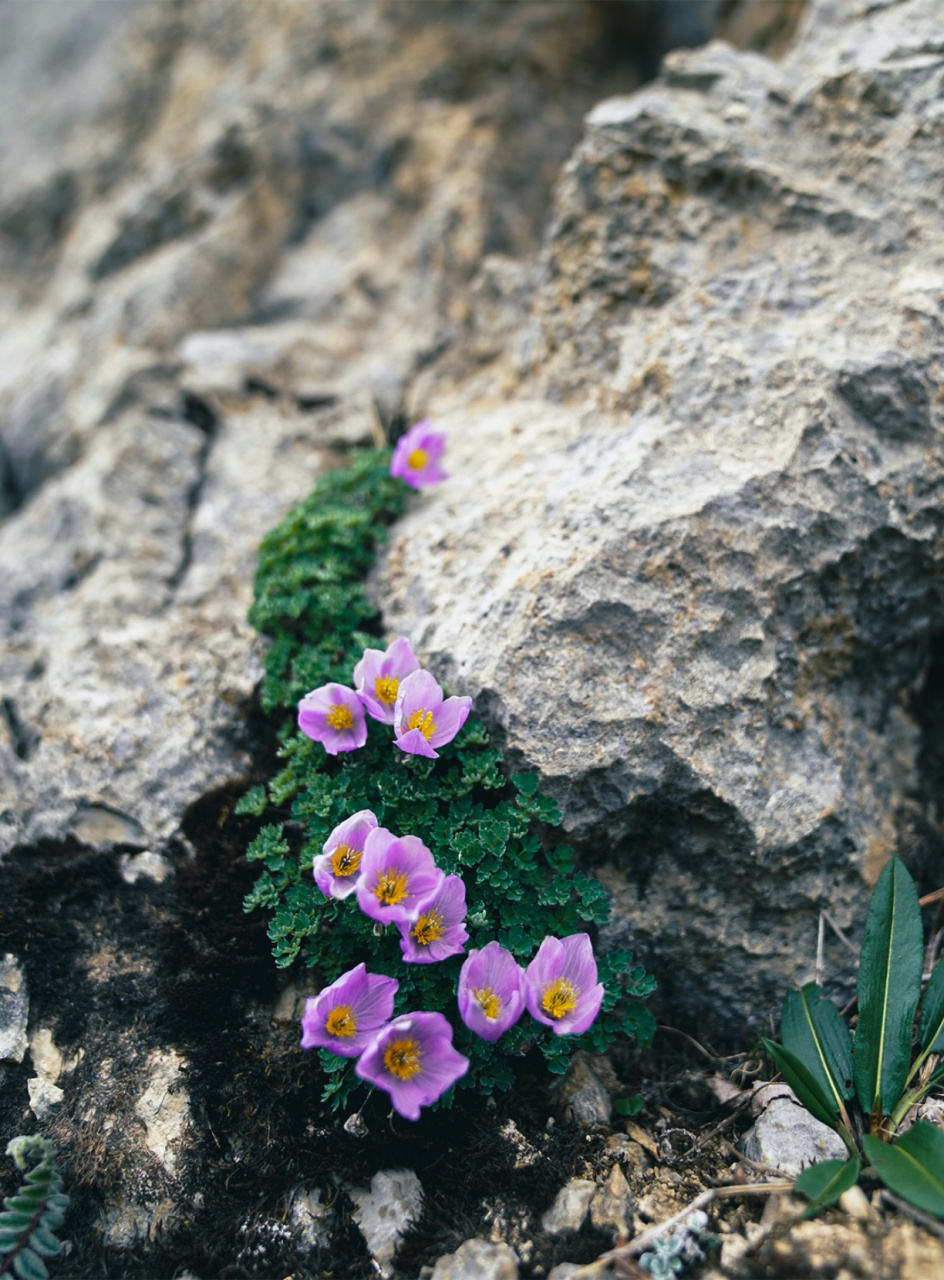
392,886
345,861
487,1001
423,720
403,1058
341,1022
560,997
429,928
340,717
417,460
386,689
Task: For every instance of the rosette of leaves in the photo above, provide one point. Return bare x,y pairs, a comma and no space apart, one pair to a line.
311,600
31,1218
864,1085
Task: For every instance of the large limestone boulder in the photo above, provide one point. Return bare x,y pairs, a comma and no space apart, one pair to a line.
689,560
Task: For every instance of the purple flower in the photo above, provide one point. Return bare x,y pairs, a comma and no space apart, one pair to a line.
416,457
422,720
491,986
333,716
337,868
377,678
438,931
346,1016
397,876
413,1059
560,985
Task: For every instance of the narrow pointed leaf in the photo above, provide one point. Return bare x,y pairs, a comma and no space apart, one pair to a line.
912,1166
825,1182
888,988
803,1083
812,1030
931,1023
30,1266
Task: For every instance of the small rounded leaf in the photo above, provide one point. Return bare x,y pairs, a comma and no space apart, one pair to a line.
30,1266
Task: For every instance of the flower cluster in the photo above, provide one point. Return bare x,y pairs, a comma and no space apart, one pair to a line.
390,687
397,882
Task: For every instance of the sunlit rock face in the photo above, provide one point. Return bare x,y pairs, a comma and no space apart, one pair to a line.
689,561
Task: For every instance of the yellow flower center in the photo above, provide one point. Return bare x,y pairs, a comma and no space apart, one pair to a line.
560,997
417,460
429,927
423,720
341,1022
392,886
386,689
340,717
487,1001
403,1058
345,860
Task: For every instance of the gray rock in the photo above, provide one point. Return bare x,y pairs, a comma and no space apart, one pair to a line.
478,1260
309,1216
383,1213
686,561
570,1206
14,1010
582,1092
611,1209
788,1138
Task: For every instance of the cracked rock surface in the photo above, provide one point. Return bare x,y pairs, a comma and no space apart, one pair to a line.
690,560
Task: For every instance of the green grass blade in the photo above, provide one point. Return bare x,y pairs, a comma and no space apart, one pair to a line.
825,1182
803,1083
888,988
812,1030
931,1022
912,1166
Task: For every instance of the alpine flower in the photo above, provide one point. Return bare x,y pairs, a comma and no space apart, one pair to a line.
337,868
491,991
422,719
377,678
560,985
439,930
333,716
412,1058
346,1016
398,875
416,457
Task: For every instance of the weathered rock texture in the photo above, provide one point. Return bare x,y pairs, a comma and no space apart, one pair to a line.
326,176
690,559
233,239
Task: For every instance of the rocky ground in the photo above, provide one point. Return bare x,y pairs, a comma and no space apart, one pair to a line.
689,353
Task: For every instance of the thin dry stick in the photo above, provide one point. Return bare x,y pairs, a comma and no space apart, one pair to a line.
820,939
739,1155
922,1219
936,896
846,942
645,1238
715,1057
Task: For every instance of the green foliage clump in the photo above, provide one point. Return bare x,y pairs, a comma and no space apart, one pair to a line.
310,598
864,1086
33,1216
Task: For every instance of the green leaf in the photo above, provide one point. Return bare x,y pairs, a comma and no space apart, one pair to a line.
45,1243
888,988
25,1203
51,1220
812,1030
803,1083
824,1183
912,1166
931,1023
628,1106
30,1266
15,1219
